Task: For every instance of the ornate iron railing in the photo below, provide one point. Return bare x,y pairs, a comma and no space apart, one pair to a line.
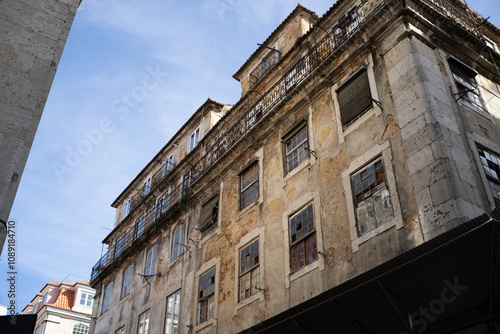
220,142
469,20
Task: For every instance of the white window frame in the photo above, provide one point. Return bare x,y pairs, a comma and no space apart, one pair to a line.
45,298
143,322
384,151
150,267
86,298
194,139
106,298
127,281
172,312
178,241
126,209
77,328
35,308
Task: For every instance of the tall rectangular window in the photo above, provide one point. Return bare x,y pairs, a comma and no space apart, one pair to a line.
354,98
172,314
178,241
120,330
296,146
45,297
127,281
151,261
249,270
119,245
146,187
465,82
303,246
162,204
371,197
126,209
193,140
139,226
491,166
107,297
143,325
209,215
169,164
206,296
249,185
186,182
86,299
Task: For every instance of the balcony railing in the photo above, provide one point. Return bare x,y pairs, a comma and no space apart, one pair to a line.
468,21
176,199
217,144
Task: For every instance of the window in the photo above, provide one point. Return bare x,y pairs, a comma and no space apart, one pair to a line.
372,201
169,164
303,247
35,308
249,270
146,187
107,297
127,281
296,146
86,299
37,330
126,209
80,329
139,226
172,316
465,82
209,215
178,241
151,261
45,297
162,204
143,325
120,330
119,245
206,295
249,185
193,140
346,24
354,98
186,182
491,167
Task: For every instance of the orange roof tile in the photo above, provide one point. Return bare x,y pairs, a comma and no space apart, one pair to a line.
64,300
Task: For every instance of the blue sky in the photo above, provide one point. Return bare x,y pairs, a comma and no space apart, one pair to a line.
131,74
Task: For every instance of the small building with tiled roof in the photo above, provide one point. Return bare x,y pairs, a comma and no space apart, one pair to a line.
62,308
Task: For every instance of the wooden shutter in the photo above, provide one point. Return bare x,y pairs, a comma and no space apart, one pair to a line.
354,98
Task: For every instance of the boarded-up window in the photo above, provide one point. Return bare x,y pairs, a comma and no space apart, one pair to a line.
249,183
371,197
303,246
354,98
209,215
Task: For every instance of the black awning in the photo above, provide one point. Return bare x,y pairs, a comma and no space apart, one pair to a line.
17,324
441,286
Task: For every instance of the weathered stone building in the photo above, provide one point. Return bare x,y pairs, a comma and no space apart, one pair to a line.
363,142
32,38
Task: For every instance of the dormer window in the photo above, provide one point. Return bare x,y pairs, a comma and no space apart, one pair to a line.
86,299
126,209
346,24
35,308
45,297
268,61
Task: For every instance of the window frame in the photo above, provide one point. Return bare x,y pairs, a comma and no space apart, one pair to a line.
80,325
162,203
150,267
359,171
249,187
206,226
363,71
174,319
45,298
127,281
294,245
194,139
254,288
126,209
86,298
119,245
139,225
466,84
144,321
208,299
288,139
487,175
35,308
178,235
120,330
106,298
146,187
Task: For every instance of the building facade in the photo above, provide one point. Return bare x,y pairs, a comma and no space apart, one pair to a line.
62,308
360,136
33,34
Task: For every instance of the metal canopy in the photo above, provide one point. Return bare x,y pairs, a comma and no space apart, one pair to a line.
446,284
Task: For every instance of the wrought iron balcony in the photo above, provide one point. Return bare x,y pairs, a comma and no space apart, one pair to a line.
173,201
